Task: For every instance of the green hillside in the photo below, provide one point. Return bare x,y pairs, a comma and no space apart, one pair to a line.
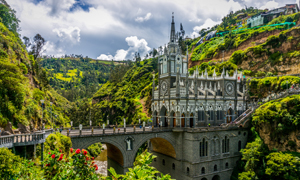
23,85
76,78
128,95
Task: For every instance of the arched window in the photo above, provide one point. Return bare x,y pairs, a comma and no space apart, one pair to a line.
225,145
163,162
226,165
203,148
215,168
203,170
201,116
173,166
187,170
239,146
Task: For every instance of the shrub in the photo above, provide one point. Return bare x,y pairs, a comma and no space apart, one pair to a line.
95,149
58,141
282,166
238,56
10,164
23,68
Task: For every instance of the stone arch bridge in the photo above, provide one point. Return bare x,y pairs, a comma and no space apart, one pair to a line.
184,153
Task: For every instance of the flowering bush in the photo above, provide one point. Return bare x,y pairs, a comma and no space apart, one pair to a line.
76,166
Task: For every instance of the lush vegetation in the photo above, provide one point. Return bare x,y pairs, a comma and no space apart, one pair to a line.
258,162
76,78
66,163
141,170
282,113
126,97
264,86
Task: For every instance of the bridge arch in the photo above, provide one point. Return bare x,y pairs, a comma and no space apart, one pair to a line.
159,142
116,152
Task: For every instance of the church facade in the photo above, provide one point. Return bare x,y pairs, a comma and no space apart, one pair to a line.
184,100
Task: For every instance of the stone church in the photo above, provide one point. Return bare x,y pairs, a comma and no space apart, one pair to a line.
184,100
192,101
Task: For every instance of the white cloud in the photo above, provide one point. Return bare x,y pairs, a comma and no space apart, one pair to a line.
57,6
208,23
105,57
135,45
270,5
52,49
142,19
70,35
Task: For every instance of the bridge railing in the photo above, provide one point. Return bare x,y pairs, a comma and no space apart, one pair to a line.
24,139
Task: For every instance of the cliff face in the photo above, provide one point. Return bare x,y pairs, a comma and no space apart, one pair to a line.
278,53
277,122
287,142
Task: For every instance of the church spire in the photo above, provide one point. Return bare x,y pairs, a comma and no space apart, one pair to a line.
172,35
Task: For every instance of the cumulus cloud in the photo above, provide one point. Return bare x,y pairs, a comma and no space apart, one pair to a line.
142,19
135,45
70,35
105,24
208,23
58,6
51,48
270,5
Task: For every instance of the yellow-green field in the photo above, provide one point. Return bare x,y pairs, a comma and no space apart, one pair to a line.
70,74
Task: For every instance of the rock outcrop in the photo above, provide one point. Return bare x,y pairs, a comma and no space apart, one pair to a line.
23,129
9,128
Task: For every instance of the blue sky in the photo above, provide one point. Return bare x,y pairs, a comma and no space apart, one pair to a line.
116,29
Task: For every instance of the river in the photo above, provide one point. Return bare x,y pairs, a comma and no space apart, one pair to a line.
101,161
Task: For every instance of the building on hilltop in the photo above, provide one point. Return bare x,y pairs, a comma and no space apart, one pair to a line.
265,17
184,100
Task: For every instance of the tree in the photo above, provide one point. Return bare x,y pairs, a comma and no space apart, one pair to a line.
37,47
283,166
27,42
9,19
141,170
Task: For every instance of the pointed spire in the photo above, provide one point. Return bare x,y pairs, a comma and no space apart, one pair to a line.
210,86
219,85
214,75
215,89
201,86
172,35
202,74
205,72
227,75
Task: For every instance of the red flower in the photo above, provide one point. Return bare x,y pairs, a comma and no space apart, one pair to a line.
84,152
47,164
61,155
96,167
59,159
93,158
86,158
71,150
85,163
77,151
53,156
60,150
49,153
93,162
